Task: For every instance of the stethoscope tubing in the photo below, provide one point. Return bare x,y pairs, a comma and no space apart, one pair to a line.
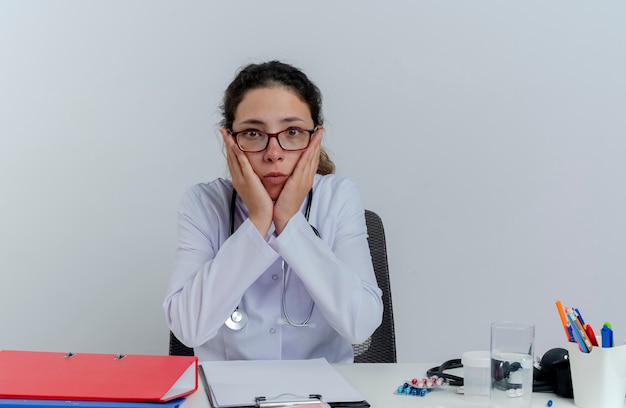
238,319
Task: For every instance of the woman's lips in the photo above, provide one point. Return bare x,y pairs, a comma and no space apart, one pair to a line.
275,178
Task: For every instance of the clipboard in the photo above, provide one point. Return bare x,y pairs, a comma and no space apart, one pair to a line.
96,377
277,383
33,403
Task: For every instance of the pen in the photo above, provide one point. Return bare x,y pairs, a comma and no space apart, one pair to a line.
583,333
579,333
568,333
579,316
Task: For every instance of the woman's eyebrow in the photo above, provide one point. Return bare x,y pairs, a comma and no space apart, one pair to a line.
259,122
251,122
291,119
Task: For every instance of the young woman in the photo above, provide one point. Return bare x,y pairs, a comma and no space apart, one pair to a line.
275,263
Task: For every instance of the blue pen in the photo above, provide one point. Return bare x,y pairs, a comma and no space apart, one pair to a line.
580,317
607,335
570,331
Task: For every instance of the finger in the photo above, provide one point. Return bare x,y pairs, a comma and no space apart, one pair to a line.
229,140
310,158
231,154
237,161
318,135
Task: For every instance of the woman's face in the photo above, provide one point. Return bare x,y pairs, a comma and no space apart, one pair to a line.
272,110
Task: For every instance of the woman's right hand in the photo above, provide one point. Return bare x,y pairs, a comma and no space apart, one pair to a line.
299,183
248,185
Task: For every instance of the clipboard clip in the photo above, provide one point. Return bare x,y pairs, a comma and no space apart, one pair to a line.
280,401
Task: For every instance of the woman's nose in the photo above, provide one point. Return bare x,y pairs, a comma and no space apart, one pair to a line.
273,151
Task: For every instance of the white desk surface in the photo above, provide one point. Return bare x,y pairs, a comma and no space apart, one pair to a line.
378,382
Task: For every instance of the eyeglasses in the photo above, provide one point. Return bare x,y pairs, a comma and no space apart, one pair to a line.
289,139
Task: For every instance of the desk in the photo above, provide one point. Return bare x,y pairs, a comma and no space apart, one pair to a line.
377,383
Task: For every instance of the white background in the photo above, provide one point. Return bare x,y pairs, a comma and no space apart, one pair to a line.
489,136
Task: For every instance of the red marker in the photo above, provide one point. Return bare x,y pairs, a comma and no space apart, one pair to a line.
591,335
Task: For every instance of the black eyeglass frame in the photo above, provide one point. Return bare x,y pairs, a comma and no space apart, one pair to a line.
271,135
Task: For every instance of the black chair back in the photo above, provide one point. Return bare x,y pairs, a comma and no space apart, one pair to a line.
381,346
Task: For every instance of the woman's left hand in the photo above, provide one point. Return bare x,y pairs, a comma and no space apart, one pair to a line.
299,183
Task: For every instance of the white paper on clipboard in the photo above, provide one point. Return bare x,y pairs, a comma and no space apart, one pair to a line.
239,383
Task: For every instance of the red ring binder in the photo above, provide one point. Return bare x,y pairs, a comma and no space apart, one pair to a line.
96,377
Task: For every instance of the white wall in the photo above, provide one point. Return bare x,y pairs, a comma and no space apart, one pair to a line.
489,135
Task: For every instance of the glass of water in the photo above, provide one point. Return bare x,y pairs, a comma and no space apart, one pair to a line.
512,354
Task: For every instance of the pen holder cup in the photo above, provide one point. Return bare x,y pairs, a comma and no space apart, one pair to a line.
598,377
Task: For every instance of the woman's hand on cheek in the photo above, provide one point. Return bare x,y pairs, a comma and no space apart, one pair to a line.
299,183
248,185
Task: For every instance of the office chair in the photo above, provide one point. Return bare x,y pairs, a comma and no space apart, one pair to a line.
381,346
177,348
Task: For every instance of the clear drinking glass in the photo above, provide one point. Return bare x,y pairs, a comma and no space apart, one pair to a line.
512,354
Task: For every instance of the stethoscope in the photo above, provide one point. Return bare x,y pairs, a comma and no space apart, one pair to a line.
238,318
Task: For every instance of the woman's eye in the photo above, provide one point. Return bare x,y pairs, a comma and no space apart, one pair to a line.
294,132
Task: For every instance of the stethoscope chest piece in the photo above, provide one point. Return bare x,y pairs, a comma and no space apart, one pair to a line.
237,320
